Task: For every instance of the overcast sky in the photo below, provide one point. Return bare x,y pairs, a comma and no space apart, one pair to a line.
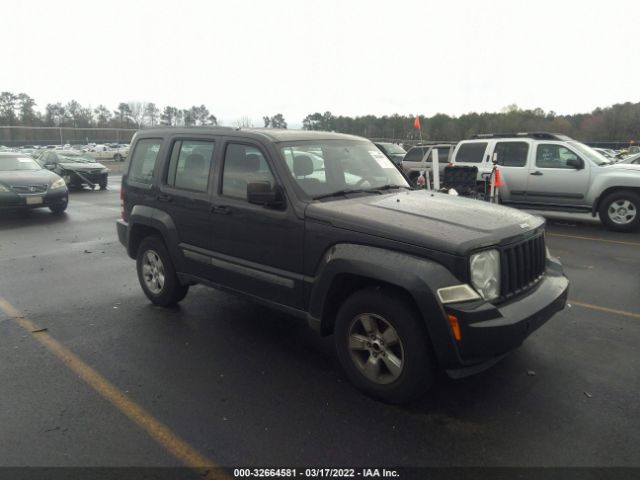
255,58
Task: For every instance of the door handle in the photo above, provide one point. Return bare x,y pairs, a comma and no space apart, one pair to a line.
220,209
536,173
163,197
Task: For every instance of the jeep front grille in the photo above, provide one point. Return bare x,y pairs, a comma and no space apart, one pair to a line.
523,265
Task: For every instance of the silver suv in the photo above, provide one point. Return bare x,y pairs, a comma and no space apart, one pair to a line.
555,172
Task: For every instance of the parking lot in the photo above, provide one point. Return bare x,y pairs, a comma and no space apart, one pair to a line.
94,375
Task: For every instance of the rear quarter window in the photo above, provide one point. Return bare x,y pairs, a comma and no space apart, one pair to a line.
471,152
144,160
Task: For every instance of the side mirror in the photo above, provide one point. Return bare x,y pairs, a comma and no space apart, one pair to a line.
261,193
575,163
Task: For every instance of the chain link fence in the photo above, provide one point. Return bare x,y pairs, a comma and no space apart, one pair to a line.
19,136
38,136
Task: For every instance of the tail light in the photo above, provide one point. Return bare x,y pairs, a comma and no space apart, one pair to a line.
123,196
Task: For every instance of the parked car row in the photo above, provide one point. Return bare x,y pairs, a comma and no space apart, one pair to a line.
109,151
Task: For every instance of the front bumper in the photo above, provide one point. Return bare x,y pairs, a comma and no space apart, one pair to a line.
488,332
78,178
50,198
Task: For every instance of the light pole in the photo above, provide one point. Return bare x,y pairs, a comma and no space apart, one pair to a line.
56,120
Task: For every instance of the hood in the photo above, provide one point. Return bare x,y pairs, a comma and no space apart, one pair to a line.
81,166
28,177
632,167
431,220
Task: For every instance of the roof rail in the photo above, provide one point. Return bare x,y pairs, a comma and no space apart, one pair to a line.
535,135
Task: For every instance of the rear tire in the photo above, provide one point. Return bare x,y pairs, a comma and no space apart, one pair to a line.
383,346
620,211
117,157
156,273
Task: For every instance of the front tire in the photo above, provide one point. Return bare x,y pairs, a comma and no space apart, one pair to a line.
103,184
619,211
383,347
156,273
58,209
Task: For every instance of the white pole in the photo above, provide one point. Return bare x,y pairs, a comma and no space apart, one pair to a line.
492,191
435,168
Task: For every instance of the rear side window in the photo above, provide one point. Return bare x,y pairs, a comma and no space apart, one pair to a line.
471,152
143,160
512,154
190,165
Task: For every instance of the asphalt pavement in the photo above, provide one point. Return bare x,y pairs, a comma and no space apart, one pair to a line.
246,386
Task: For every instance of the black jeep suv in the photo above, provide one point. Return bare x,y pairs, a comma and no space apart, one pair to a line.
324,226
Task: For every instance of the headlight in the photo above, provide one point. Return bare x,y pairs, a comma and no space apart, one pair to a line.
4,189
104,170
59,183
485,273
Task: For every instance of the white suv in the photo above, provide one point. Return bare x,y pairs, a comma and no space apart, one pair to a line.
555,172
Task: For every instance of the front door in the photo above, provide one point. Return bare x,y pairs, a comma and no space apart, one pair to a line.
257,249
552,181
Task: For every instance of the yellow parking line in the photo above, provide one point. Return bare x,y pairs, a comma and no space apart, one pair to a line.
605,309
159,432
620,242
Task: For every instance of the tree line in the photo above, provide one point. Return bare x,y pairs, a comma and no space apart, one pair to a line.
618,123
19,110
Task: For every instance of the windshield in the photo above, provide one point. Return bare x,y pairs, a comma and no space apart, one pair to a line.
8,164
393,149
329,166
590,153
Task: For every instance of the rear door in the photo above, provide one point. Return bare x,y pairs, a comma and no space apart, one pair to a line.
552,181
185,196
513,157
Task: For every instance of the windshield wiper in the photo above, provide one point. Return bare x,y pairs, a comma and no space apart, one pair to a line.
389,186
339,193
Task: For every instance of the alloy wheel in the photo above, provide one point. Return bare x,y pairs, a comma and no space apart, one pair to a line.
622,212
153,272
375,348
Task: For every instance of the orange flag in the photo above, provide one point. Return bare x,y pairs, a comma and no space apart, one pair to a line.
416,123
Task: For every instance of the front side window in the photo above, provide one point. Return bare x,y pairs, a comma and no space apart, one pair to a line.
471,152
190,165
144,159
553,156
244,164
512,154
322,168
